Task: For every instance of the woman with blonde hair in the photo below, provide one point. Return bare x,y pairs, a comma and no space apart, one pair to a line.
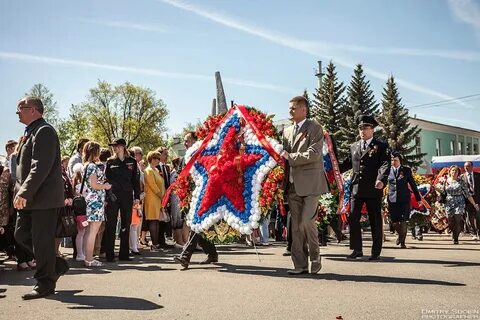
95,199
456,191
154,192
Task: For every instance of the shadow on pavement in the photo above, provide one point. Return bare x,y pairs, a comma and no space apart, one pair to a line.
282,273
103,302
342,258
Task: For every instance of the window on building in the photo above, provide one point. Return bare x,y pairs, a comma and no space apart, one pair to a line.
418,148
469,148
438,147
452,147
475,148
460,147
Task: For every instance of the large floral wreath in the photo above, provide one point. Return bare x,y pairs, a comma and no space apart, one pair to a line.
233,174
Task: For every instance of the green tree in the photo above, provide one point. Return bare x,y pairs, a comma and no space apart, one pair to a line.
397,131
361,100
71,129
128,111
328,103
309,102
50,113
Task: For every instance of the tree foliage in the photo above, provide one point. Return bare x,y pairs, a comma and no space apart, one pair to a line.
397,131
50,113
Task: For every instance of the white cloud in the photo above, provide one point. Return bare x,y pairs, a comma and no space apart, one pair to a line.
467,11
128,25
317,49
143,71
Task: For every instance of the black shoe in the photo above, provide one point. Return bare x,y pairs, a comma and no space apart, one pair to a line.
287,253
125,259
374,258
209,260
355,255
181,260
403,246
36,293
297,272
136,253
166,246
455,242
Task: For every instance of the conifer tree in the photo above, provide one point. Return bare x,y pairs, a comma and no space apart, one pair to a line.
397,131
328,102
360,100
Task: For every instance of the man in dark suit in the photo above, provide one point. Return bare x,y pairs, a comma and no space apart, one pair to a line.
304,183
38,195
473,182
195,239
370,161
165,229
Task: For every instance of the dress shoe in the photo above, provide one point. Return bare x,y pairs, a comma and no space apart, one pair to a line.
374,258
316,266
287,253
36,293
297,272
23,267
182,261
455,242
355,255
403,246
136,253
125,259
209,260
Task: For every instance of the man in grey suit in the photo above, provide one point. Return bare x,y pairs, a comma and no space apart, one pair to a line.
304,183
38,195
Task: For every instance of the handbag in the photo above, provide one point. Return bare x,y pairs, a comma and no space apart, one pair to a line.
164,216
79,204
81,221
66,224
111,196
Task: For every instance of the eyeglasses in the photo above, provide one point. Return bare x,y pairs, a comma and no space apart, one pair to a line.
23,107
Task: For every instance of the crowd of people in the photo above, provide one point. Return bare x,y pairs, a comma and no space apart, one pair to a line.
121,190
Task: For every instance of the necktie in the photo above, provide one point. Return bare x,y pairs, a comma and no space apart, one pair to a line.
295,131
364,145
470,183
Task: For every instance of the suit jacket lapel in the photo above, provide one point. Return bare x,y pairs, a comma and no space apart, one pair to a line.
301,132
369,147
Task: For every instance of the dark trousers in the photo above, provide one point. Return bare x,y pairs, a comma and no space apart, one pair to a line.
162,230
455,223
472,219
124,203
207,246
374,206
35,234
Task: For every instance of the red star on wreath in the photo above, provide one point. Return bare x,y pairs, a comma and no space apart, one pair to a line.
225,173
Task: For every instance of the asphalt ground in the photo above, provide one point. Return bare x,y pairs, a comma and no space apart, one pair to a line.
432,279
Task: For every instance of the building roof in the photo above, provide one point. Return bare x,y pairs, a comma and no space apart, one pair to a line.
436,126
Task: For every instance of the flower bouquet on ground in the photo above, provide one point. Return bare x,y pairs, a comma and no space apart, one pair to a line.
233,175
327,208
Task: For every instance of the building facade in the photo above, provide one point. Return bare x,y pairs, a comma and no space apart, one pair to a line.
438,139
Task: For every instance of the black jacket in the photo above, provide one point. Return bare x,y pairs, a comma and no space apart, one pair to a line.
369,166
402,180
39,171
123,176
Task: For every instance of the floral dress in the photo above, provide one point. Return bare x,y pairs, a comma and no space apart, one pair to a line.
457,192
95,198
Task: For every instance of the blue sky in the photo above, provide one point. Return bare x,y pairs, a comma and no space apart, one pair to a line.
266,51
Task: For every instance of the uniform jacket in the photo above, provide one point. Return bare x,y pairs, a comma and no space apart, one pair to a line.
368,166
123,176
402,181
305,159
39,171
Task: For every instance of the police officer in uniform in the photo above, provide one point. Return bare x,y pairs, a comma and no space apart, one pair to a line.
370,161
122,173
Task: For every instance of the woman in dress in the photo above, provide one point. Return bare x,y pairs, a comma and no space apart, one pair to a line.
177,220
95,199
457,191
154,192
